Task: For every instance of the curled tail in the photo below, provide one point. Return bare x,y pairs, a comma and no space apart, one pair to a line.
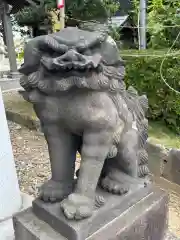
140,107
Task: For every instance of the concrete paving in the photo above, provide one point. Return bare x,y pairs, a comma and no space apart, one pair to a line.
8,82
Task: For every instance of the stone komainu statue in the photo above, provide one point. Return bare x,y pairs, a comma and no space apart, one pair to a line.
74,79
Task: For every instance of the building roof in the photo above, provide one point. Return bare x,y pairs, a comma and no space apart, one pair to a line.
118,21
122,15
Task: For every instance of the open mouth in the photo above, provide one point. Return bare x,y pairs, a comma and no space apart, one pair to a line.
72,61
79,73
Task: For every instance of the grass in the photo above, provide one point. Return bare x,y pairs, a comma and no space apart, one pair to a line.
160,134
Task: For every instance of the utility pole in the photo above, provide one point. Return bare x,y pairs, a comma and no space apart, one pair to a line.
61,6
62,17
9,39
142,24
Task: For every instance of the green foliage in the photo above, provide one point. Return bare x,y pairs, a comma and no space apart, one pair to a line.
31,16
159,133
143,72
161,13
90,9
114,32
76,11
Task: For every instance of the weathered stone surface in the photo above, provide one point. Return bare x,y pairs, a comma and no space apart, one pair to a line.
114,205
171,169
164,162
132,220
156,154
19,111
28,227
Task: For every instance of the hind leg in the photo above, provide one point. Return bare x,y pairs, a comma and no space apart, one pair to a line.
128,153
122,174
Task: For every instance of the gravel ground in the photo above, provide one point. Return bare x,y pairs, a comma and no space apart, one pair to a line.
32,163
31,157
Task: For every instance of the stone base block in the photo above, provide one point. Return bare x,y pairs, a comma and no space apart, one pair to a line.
6,227
145,219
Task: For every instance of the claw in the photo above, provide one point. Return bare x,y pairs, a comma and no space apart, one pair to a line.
52,191
113,186
77,207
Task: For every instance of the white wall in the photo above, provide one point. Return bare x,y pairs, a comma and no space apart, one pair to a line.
10,197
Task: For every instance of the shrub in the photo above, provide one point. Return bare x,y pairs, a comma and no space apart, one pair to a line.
163,22
143,72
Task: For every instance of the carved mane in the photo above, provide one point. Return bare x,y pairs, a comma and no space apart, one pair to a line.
110,79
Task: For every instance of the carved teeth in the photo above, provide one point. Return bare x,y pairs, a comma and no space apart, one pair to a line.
69,67
89,66
82,67
63,67
75,67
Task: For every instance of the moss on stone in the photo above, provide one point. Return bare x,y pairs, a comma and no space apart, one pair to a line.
14,102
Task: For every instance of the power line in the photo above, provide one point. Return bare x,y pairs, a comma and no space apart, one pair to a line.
110,24
151,55
162,63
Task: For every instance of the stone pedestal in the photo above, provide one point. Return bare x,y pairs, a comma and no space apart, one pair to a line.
138,215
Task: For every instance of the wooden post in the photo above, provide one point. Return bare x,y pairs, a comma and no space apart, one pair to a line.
9,40
62,17
61,7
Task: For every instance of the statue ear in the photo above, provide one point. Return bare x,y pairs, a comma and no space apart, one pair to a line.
110,52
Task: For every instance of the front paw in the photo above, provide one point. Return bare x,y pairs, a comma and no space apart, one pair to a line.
52,191
77,207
